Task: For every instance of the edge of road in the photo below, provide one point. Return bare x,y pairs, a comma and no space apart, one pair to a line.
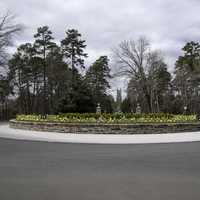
17,134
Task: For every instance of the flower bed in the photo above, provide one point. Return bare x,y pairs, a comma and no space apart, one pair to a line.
91,123
110,118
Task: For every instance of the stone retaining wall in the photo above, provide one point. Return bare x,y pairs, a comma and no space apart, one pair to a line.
106,128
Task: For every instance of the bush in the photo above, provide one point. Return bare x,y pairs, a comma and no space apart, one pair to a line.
127,118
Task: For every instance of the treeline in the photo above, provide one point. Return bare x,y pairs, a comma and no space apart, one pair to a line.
46,77
153,86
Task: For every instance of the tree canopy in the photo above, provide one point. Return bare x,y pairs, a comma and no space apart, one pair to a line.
49,77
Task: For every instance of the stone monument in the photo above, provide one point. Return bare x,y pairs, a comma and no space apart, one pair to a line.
98,109
138,109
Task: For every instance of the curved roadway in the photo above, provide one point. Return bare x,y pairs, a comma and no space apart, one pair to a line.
10,133
56,171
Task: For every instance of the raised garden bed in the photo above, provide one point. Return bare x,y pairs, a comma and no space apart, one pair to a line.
108,123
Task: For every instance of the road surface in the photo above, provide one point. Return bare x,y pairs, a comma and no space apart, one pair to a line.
56,171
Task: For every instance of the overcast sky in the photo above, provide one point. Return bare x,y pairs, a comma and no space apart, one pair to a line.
168,24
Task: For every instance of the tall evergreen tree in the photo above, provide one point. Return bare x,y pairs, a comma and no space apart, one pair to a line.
73,49
42,45
97,77
79,100
187,77
126,106
21,76
59,78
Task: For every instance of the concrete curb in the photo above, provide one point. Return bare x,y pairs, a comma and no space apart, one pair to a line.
9,133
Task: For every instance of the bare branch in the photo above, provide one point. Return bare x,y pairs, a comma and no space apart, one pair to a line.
8,28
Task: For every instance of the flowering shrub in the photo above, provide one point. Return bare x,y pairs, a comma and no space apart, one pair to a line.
128,118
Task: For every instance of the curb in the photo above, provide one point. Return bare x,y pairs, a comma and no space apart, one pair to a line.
9,133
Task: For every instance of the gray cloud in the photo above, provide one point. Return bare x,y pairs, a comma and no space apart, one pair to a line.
168,24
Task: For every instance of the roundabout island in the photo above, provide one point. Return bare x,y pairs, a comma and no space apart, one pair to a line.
107,129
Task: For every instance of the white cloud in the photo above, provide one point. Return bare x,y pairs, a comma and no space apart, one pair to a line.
168,24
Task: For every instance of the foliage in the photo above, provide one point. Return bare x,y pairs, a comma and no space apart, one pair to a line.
97,78
79,98
43,80
44,77
73,48
43,44
128,118
186,83
126,105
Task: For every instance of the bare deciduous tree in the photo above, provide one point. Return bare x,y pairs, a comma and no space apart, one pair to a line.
8,28
136,60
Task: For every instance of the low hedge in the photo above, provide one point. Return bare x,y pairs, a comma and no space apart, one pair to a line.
106,118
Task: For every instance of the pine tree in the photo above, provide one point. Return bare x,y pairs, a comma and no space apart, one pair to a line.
21,75
73,49
97,78
42,45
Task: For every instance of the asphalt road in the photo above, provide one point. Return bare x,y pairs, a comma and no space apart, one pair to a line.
52,171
